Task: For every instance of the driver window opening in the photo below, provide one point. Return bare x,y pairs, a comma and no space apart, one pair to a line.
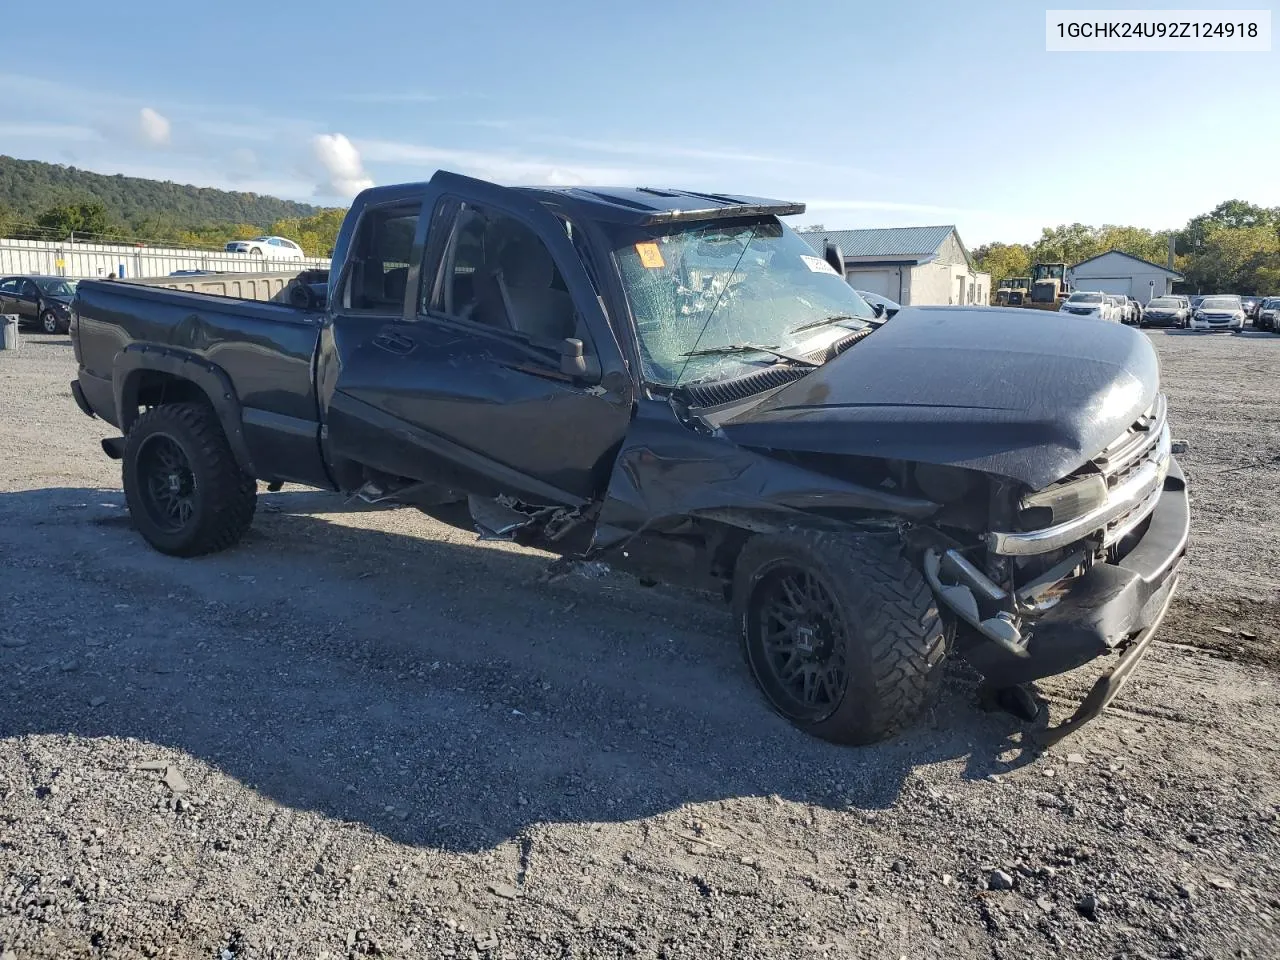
498,273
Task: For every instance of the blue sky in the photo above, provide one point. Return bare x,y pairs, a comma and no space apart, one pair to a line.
873,114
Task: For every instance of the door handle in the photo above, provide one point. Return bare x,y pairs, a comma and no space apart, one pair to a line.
393,343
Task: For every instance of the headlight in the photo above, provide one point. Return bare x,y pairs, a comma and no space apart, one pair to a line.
1198,315
1061,502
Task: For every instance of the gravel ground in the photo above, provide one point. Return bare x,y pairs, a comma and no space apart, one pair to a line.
364,733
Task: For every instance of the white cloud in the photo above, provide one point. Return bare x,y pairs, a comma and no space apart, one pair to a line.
345,175
502,167
154,127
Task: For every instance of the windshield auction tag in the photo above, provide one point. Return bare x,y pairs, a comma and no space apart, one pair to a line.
818,265
650,255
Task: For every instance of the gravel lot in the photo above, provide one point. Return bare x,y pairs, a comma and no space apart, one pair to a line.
364,733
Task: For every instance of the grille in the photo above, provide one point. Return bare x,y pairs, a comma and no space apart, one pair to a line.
1124,455
1135,448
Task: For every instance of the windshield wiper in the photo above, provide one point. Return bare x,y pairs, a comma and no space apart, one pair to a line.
827,321
749,348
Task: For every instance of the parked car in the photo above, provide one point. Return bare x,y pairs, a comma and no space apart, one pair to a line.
1134,311
38,300
1088,303
1269,315
1166,312
886,307
607,373
279,248
1128,312
1118,308
1218,312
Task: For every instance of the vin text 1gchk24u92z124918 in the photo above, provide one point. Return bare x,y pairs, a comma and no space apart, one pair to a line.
672,381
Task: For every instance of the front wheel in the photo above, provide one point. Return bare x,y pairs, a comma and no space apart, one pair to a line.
186,493
50,323
841,632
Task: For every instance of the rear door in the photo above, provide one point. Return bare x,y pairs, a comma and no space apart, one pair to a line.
28,300
464,387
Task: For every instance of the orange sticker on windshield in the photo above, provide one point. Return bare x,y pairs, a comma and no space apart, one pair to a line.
650,255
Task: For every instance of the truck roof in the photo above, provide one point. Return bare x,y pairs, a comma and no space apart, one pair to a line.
636,206
652,205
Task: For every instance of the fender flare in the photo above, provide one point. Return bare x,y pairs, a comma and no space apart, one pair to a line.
135,359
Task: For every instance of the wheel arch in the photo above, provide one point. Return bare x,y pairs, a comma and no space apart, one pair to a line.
150,376
728,530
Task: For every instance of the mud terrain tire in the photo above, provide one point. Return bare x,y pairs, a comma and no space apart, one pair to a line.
841,632
186,493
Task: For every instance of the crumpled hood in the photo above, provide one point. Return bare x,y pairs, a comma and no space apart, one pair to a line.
1025,394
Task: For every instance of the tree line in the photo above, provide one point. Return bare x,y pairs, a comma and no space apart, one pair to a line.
46,201
1234,248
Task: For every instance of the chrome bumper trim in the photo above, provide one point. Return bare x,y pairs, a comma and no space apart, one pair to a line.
1138,494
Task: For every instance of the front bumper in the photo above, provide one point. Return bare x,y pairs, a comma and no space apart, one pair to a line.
1112,608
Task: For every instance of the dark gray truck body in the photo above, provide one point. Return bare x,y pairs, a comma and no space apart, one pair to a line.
932,430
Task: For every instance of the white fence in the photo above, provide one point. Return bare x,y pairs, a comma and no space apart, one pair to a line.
92,260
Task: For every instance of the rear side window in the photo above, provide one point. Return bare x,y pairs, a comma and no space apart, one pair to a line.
380,256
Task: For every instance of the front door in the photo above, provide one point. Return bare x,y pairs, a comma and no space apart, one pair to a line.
465,387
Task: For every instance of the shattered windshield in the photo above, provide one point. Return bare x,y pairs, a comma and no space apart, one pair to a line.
714,300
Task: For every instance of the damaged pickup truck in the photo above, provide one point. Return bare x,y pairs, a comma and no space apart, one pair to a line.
674,382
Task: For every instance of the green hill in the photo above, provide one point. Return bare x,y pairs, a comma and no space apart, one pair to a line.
28,188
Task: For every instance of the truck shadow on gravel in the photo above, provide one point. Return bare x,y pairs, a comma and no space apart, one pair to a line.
375,671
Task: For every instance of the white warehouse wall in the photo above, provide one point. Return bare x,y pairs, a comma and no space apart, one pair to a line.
1116,273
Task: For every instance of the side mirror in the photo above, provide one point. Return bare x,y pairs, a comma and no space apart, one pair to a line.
573,361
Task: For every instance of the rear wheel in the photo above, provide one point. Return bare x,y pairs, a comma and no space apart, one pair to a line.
841,632
186,493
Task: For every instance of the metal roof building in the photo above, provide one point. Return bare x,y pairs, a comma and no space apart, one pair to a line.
1122,273
912,265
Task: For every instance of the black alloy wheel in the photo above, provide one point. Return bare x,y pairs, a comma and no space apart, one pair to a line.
801,639
168,487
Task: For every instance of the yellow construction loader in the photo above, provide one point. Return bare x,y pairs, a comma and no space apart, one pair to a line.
1045,289
1013,291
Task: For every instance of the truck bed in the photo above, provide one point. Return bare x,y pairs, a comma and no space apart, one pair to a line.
265,348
